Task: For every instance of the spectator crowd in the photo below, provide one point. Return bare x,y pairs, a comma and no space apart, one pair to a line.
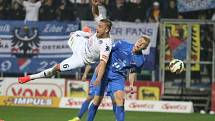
115,10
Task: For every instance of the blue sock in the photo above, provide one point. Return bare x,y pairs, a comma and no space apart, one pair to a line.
92,112
120,113
84,108
114,109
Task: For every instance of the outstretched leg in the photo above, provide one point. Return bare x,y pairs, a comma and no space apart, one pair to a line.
46,73
75,61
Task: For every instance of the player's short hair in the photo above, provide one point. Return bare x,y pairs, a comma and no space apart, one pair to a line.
147,38
108,22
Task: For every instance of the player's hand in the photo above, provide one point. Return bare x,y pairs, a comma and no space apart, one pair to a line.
95,2
96,83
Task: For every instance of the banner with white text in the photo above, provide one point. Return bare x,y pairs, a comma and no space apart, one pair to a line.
134,105
29,101
130,32
194,5
33,46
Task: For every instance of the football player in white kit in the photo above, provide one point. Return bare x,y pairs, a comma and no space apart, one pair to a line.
87,48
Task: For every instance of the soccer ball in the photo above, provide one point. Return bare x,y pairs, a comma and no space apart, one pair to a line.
176,66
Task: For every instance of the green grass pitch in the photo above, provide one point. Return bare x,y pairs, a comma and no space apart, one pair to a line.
53,114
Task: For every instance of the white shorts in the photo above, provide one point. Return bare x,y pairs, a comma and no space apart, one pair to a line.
77,44
75,61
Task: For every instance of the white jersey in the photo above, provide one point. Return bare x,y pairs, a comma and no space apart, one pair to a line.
32,10
98,49
89,47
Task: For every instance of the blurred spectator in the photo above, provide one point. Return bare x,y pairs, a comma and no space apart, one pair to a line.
16,12
213,16
83,10
102,8
31,8
206,42
180,16
47,11
153,14
2,9
118,11
172,10
65,11
7,8
136,11
202,15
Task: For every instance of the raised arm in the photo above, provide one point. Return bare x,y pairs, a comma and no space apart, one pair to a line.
95,11
95,8
19,2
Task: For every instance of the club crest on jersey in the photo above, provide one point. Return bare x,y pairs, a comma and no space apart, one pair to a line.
25,42
100,41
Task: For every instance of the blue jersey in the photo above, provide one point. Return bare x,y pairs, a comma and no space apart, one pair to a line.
121,59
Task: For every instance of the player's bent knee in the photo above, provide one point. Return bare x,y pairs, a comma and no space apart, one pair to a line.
119,97
97,100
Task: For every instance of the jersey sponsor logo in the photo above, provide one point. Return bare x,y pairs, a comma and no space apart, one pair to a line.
133,62
107,48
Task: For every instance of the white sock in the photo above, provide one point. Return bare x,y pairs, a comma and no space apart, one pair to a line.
43,74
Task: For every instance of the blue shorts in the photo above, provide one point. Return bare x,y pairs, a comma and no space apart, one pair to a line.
116,84
107,85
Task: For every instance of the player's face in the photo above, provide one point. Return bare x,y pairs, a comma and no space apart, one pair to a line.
101,29
140,45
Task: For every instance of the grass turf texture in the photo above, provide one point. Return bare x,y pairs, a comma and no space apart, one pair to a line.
53,114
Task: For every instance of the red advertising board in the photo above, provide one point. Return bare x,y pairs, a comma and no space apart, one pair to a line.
35,88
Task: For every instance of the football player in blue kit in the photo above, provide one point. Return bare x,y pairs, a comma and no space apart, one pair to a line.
124,57
91,93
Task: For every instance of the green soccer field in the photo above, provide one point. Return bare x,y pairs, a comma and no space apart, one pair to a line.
52,114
